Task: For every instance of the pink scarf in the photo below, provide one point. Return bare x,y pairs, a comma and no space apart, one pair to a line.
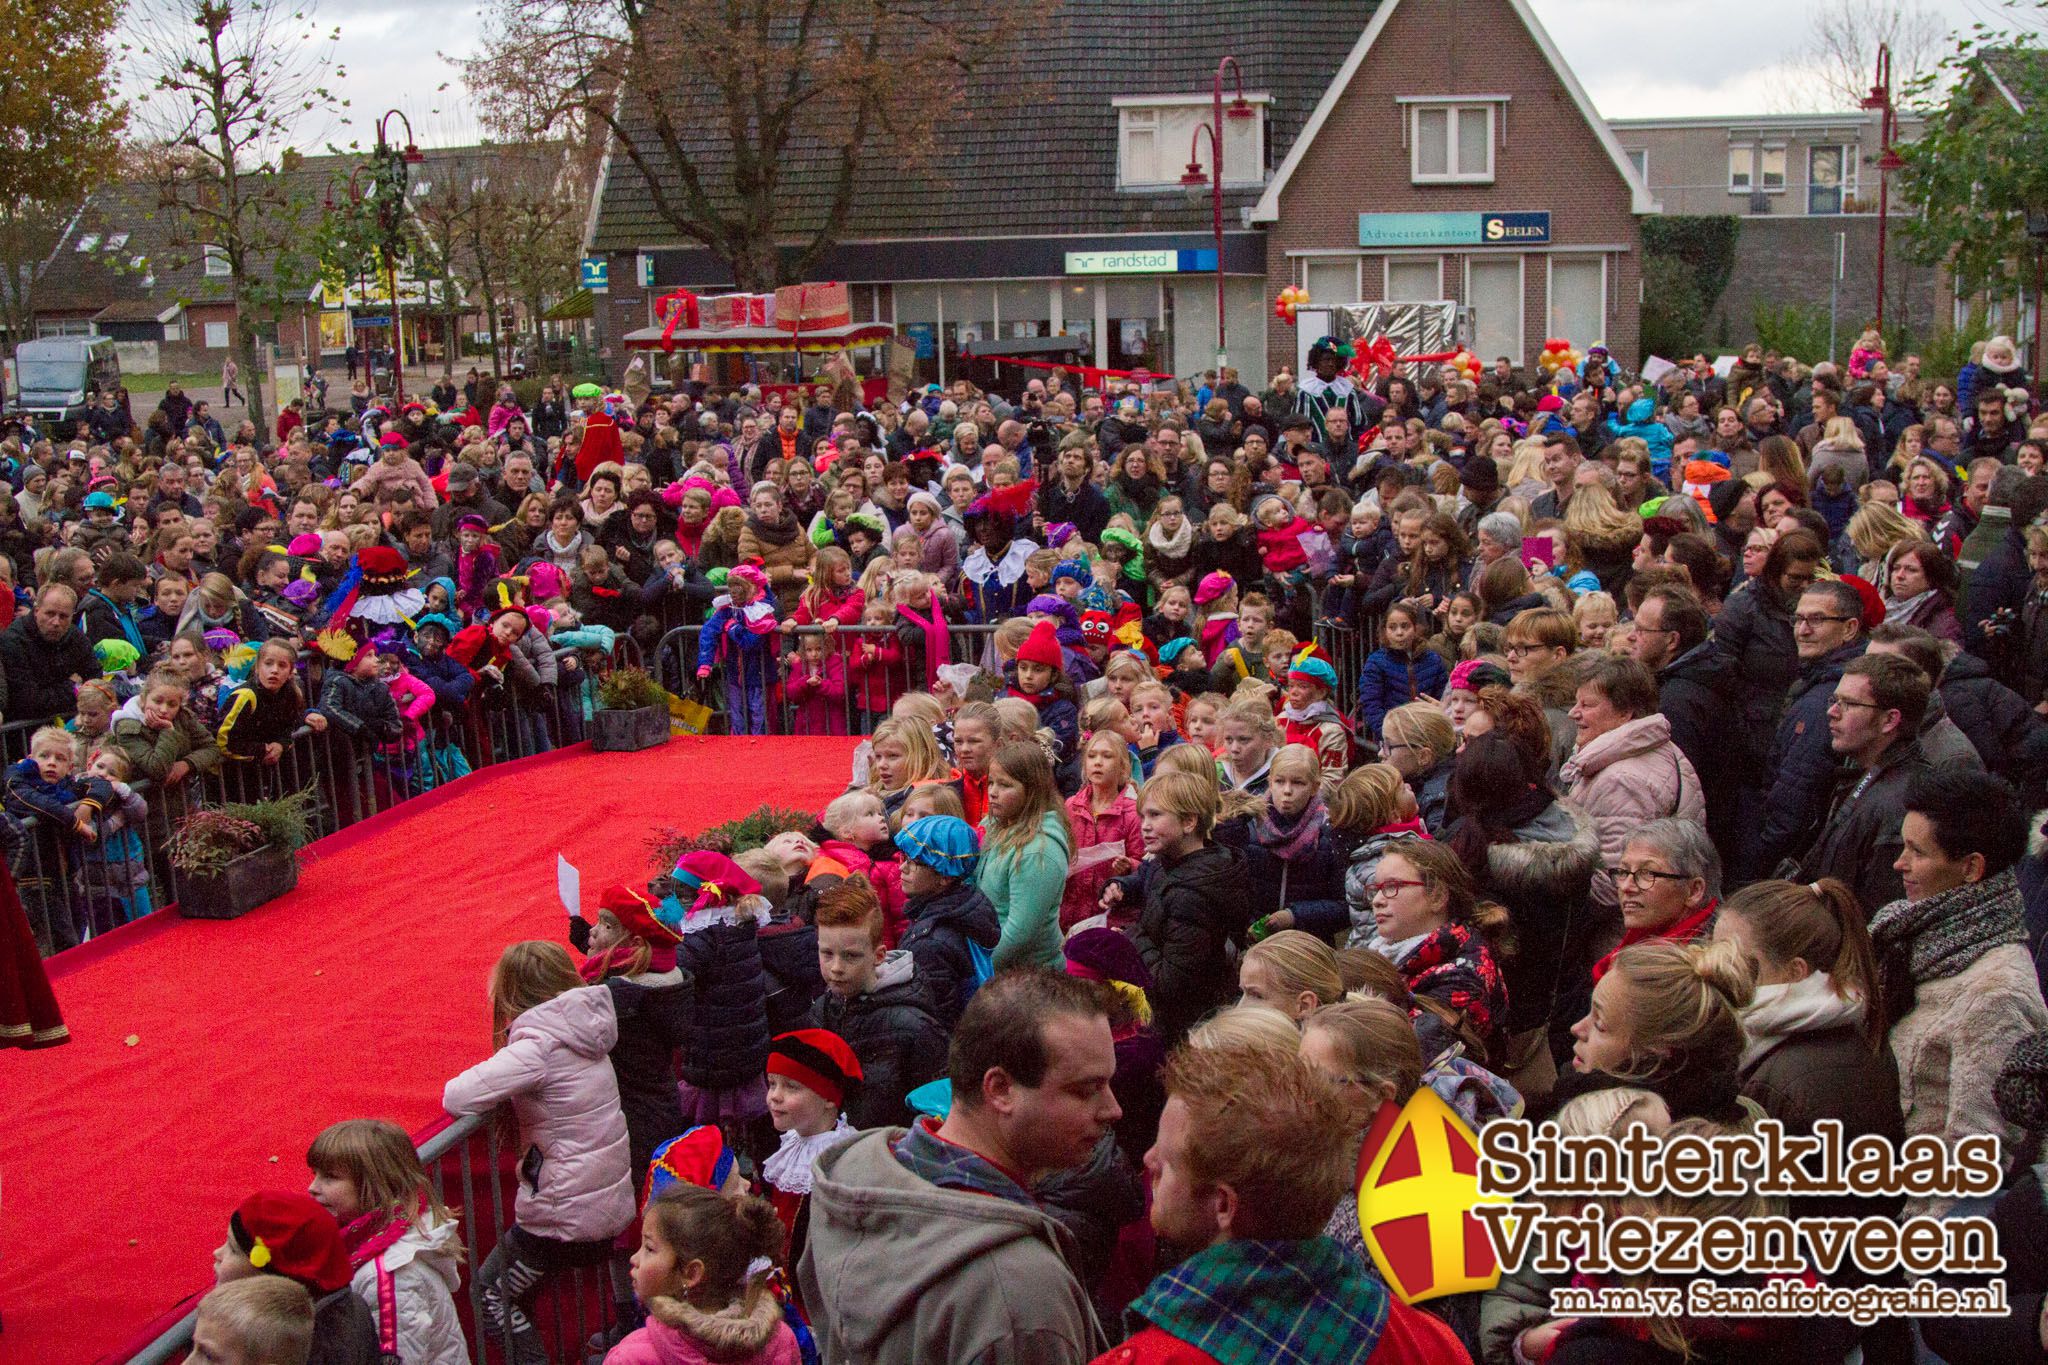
938,639
372,1234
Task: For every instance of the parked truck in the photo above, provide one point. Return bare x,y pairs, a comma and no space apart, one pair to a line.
57,378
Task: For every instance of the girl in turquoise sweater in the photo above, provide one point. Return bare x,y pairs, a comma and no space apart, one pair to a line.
1025,846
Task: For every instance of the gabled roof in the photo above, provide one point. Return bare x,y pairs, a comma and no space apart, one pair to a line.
1034,150
1642,201
2016,73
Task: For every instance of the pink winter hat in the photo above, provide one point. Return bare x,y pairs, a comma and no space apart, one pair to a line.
1213,586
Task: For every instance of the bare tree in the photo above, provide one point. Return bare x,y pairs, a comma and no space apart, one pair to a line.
749,121
1833,66
229,85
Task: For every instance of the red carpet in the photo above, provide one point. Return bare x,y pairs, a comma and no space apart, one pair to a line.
206,1055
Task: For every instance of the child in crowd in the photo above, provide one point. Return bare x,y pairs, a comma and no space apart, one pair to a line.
164,741
1037,676
401,1240
874,1000
1249,736
66,808
1277,652
1294,858
903,754
811,1071
816,687
1216,613
855,840
290,1237
356,701
1309,717
1461,613
1103,812
158,622
1202,717
1280,535
1243,654
1375,810
1152,711
875,668
1401,670
975,726
251,1322
450,681
259,717
553,1035
831,600
692,1272
1188,668
1171,621
718,911
1025,849
1192,894
788,941
94,718
739,636
1124,671
953,928
1596,615
116,871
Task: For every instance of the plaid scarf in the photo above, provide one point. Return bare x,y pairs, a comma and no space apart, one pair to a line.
1268,1303
1943,935
950,1166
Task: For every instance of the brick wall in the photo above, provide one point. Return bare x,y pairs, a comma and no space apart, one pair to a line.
1549,159
1792,260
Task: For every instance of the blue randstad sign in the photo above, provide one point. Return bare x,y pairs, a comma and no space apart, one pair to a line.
1453,229
596,274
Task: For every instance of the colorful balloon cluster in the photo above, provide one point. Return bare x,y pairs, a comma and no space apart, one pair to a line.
1557,354
1466,364
1290,298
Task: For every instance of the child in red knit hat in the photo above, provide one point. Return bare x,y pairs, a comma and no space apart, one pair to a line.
1038,676
278,1233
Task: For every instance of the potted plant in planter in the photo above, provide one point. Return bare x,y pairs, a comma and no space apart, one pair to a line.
632,712
237,856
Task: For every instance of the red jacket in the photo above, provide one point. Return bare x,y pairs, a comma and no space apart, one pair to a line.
1411,1337
600,443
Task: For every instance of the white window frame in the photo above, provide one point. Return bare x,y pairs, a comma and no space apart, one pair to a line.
1520,347
1408,258
1355,260
1769,150
216,262
206,334
1454,113
1744,181
1550,293
1846,186
1639,157
1148,114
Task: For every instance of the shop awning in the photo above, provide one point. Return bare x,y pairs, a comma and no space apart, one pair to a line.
761,340
581,304
1004,348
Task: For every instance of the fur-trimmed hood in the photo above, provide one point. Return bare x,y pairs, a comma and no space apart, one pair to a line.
739,1331
1554,856
1554,691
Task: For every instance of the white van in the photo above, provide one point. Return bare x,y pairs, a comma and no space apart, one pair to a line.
57,378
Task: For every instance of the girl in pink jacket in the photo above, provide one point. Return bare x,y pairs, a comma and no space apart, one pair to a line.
554,1037
691,1272
1102,812
396,767
816,688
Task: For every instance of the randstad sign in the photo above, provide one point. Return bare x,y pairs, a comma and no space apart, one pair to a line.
1166,261
1453,229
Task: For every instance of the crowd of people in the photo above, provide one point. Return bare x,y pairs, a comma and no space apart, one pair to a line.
1627,755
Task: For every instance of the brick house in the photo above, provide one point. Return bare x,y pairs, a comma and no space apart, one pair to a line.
1450,124
1054,206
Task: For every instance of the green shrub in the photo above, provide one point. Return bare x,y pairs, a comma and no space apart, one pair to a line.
733,837
1674,317
206,841
1798,331
629,689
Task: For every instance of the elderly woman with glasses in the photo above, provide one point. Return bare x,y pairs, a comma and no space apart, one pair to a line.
1669,879
1625,770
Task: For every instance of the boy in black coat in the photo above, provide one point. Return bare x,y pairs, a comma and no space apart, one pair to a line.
874,1000
949,918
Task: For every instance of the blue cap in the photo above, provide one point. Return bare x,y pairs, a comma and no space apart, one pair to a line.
95,501
1076,569
1171,650
1314,670
943,843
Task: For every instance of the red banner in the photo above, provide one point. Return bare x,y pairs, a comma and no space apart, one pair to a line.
676,308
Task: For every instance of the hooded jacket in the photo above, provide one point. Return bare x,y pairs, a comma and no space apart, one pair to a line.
1194,908
152,753
654,1026
943,925
892,1029
1692,696
425,1277
750,1331
574,1184
1643,424
1629,776
899,1271
1543,876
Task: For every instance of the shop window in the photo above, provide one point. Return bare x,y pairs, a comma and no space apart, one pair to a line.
1578,299
1156,137
1493,290
1414,279
1331,283
1451,144
1135,336
1024,308
1830,175
969,315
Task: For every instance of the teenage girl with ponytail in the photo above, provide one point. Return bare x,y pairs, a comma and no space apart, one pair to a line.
1667,1019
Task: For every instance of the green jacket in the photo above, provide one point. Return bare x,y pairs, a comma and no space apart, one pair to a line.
1025,886
152,752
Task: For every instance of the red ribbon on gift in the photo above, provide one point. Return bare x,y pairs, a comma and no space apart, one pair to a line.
676,308
1378,357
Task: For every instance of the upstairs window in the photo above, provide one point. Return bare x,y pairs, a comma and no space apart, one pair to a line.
217,263
1156,136
1451,144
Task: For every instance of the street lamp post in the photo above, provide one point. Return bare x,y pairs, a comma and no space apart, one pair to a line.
1194,179
1888,160
389,164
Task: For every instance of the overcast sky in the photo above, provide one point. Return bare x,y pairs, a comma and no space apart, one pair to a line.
1637,58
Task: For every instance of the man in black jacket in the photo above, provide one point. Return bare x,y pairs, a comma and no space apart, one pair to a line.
1827,629
1873,716
1673,640
44,659
2001,582
1070,496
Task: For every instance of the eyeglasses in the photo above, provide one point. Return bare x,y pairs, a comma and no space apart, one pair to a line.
1816,622
1644,876
1390,887
1842,702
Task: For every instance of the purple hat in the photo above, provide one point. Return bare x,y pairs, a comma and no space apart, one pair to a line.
471,522
220,638
1059,533
300,592
1105,954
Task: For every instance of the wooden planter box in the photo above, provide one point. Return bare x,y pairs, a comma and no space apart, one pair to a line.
255,878
623,732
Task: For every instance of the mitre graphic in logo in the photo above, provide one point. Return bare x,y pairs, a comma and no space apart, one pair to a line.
1418,1182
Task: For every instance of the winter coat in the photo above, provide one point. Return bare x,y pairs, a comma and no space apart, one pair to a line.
426,1274
152,753
1860,839
789,957
1086,507
1237,556
1025,885
877,673
729,1017
1642,423
1997,720
784,561
944,928
654,1026
362,708
1754,632
39,671
1830,455
449,680
1693,691
899,1271
1627,777
1433,795
1194,910
255,716
1117,825
574,1181
749,1331
2001,582
1543,876
820,702
1801,770
893,1030
1390,680
1454,965
1953,1041
1311,885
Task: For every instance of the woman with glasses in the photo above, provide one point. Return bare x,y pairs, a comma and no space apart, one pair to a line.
1668,877
1429,922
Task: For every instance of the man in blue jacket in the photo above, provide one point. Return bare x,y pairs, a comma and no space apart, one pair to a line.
1827,629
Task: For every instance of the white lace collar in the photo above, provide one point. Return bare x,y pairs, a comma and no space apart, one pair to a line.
1007,570
789,1169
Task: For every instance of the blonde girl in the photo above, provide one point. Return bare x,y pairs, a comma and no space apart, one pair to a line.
400,1238
903,754
928,798
1249,734
1668,1017
1247,1026
1122,676
1366,1048
1104,811
696,1245
1026,845
1291,971
976,726
1202,716
565,1100
1596,615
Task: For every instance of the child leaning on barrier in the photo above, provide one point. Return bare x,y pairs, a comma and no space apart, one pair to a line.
116,871
47,788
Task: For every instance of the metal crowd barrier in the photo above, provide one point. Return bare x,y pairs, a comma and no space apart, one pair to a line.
474,1171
